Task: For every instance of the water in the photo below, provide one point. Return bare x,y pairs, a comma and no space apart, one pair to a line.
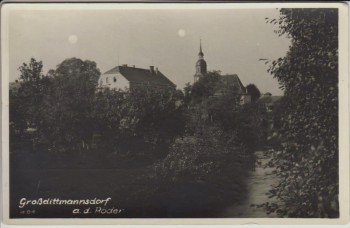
258,185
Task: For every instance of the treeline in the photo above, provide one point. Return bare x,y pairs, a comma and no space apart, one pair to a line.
192,139
64,111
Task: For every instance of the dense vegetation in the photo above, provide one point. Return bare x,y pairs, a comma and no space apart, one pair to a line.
189,151
216,151
254,92
307,119
191,139
68,113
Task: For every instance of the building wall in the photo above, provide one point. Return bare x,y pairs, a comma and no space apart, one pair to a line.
134,85
113,81
245,99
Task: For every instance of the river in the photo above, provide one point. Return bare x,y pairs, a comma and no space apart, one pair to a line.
258,185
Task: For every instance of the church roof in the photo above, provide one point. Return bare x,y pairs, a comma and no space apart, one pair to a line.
230,81
139,75
200,62
200,48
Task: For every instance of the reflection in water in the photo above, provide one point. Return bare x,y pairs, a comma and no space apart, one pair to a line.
258,185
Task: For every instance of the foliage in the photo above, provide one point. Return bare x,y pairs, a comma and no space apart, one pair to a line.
254,92
197,157
249,123
138,121
223,110
68,113
26,108
202,170
307,166
31,72
220,106
245,121
187,93
67,120
217,149
205,86
18,122
193,137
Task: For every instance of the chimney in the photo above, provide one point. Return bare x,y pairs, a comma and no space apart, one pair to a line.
151,68
133,66
125,65
156,70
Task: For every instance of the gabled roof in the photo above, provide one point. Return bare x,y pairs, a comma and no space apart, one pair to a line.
139,75
230,81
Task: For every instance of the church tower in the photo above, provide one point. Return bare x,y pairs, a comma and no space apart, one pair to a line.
201,65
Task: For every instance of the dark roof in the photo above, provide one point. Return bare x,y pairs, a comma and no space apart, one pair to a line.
230,80
269,99
139,75
200,62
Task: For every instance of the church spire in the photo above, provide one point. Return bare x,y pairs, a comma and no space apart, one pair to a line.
200,54
201,65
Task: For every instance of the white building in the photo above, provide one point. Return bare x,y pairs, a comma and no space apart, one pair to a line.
126,77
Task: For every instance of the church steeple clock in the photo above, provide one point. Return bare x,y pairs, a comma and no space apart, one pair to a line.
201,65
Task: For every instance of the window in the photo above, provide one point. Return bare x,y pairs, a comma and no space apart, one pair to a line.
115,79
106,79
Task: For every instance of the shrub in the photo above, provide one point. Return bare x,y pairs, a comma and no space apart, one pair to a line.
213,161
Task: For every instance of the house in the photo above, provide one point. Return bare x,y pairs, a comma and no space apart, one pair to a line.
130,77
268,101
231,83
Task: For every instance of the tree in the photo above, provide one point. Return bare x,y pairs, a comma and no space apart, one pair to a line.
187,93
31,72
205,86
307,166
138,122
17,114
67,120
25,104
254,92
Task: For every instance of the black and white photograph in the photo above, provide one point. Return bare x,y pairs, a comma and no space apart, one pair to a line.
175,111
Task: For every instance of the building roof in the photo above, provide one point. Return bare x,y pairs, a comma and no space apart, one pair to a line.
200,48
230,81
139,75
200,62
14,85
269,99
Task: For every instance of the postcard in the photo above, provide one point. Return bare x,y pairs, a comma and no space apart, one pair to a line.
175,113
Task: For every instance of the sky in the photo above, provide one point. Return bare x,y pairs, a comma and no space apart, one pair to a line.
233,41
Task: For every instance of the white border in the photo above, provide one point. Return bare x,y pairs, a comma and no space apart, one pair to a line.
343,109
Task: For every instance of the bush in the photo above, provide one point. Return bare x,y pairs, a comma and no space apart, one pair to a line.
213,161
